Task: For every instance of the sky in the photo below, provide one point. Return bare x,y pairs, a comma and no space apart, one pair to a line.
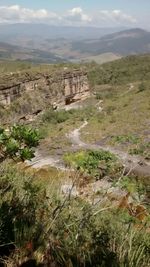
96,13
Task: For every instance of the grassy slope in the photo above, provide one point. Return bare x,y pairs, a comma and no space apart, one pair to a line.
23,66
122,71
126,106
126,112
42,216
55,131
102,58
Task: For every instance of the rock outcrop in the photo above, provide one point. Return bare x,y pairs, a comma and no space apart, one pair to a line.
62,87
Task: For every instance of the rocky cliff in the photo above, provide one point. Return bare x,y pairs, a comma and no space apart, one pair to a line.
60,87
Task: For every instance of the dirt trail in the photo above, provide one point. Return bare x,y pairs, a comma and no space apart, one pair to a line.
131,86
41,160
132,164
74,136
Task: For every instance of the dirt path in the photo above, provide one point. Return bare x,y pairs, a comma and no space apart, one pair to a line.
41,160
131,86
74,136
76,141
134,164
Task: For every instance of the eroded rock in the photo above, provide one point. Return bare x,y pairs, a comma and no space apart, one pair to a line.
62,87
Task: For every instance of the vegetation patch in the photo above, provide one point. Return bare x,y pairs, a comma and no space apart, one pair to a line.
124,116
133,139
18,142
141,149
130,184
55,117
52,229
64,122
95,163
121,71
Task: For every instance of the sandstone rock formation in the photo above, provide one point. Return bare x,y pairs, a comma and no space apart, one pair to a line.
60,87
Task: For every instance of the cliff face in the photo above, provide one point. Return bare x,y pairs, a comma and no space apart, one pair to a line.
60,87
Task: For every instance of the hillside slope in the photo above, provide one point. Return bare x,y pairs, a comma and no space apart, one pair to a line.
37,31
121,71
14,52
124,43
122,90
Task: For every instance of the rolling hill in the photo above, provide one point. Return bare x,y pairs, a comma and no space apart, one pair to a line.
51,44
13,52
128,42
43,31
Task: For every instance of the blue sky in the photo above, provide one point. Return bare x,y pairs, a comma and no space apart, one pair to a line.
77,12
58,5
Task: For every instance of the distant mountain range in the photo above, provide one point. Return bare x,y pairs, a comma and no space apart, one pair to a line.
128,42
50,44
44,31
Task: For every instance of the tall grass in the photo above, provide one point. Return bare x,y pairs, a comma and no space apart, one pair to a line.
64,231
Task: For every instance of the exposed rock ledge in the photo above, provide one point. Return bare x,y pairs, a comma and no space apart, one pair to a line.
63,87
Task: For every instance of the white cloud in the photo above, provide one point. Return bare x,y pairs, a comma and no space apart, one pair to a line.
117,16
15,13
75,16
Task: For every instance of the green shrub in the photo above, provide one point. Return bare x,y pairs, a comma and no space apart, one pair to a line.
106,93
95,163
133,139
54,117
63,231
18,142
20,208
132,185
141,149
126,70
60,116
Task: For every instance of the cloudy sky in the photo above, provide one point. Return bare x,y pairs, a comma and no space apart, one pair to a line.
99,13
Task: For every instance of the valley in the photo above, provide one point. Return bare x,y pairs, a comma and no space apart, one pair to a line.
53,44
89,179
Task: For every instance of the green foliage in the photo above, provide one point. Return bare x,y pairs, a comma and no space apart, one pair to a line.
59,116
11,66
95,163
65,231
54,117
133,139
20,205
11,147
26,153
18,142
141,149
133,186
29,136
125,70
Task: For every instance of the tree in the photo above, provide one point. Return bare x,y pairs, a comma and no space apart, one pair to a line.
18,142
